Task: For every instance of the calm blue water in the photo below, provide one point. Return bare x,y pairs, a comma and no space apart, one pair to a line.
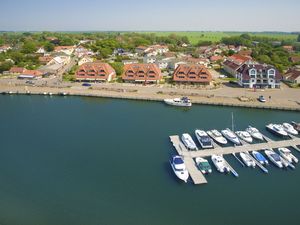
88,161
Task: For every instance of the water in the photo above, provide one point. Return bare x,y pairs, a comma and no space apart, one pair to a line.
88,161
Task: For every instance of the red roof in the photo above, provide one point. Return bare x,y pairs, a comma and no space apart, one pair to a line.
141,72
17,70
32,72
239,59
192,73
95,70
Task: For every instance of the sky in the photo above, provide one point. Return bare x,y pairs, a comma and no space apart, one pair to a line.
150,15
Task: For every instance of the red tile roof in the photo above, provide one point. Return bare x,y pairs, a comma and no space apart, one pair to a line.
95,71
17,70
32,72
192,73
141,72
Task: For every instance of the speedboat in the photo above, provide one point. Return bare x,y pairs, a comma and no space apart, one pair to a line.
179,168
217,136
184,101
203,165
277,129
255,133
274,157
188,141
220,163
244,135
287,155
260,158
247,159
289,129
231,136
296,126
203,139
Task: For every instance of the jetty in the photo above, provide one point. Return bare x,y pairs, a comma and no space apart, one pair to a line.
198,177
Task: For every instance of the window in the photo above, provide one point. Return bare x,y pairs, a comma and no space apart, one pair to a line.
151,76
192,77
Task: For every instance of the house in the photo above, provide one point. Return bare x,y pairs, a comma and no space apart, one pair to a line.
152,50
192,73
216,58
95,71
173,64
234,62
53,40
82,52
63,60
141,49
292,75
85,59
288,48
141,72
295,59
4,48
30,74
258,76
162,63
169,55
65,49
41,50
45,59
149,59
16,70
198,61
132,61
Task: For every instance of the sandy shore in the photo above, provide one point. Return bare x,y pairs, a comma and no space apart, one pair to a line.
286,100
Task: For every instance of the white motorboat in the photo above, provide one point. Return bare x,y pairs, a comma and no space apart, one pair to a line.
289,129
255,133
287,155
184,101
203,165
220,163
217,136
277,129
231,136
247,159
244,135
260,158
296,126
179,168
274,157
203,139
188,141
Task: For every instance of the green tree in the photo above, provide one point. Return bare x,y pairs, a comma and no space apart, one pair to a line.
49,47
298,39
5,66
118,67
29,47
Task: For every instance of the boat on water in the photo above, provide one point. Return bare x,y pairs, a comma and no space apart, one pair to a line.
244,135
247,159
287,155
231,136
179,168
184,101
277,129
203,139
274,157
254,132
289,129
296,126
203,165
188,141
62,93
217,136
220,163
260,158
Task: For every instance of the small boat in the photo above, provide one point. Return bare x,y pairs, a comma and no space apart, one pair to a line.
28,92
247,159
231,136
274,157
277,129
220,163
244,135
260,158
289,129
217,136
287,155
45,93
50,93
62,93
10,92
296,126
179,168
203,165
203,139
184,101
188,141
255,133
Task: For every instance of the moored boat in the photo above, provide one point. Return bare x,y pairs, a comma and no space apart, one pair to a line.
184,101
277,129
188,141
220,163
296,126
254,132
289,129
203,139
287,155
260,158
179,168
231,136
203,165
274,157
244,135
247,159
217,136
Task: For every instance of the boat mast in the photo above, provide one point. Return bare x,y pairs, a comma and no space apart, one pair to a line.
232,126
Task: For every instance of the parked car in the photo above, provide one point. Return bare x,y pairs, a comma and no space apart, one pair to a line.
29,82
261,98
86,84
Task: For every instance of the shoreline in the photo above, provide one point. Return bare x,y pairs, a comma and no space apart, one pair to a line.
129,95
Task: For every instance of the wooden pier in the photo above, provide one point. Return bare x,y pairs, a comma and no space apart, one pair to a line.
198,177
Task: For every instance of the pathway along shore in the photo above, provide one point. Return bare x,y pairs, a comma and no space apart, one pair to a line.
136,94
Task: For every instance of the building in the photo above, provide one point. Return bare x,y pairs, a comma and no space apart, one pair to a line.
132,61
63,60
234,62
45,59
85,59
16,70
95,71
192,73
141,72
30,74
65,49
41,50
292,75
4,48
149,59
288,48
258,76
295,59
